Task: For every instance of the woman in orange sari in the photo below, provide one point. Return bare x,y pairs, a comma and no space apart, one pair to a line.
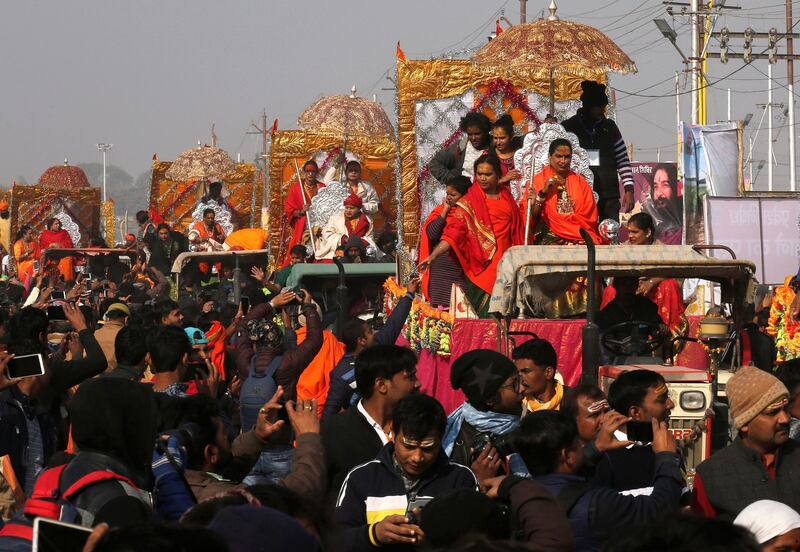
564,203
26,253
664,292
55,236
484,225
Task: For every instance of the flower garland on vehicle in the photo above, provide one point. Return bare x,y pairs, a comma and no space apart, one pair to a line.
786,333
426,327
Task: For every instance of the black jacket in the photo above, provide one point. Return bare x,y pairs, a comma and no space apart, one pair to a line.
449,163
16,407
349,440
599,135
343,376
601,512
375,490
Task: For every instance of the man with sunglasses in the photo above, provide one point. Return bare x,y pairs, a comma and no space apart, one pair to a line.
761,463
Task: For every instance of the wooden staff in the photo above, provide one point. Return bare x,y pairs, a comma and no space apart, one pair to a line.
529,208
305,204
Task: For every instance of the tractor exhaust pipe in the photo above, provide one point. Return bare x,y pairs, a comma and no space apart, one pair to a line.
591,332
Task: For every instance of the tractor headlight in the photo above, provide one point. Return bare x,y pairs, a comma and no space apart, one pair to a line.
692,400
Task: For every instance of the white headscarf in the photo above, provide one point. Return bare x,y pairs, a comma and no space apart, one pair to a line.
768,519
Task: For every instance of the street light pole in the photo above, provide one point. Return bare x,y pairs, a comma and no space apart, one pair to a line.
104,147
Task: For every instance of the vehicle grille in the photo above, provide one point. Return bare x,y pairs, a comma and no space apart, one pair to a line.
692,452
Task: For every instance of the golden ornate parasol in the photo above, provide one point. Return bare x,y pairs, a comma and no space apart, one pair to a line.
201,163
348,115
64,176
553,46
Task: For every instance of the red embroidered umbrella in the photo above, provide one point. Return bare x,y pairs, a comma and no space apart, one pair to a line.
347,115
201,163
553,46
64,176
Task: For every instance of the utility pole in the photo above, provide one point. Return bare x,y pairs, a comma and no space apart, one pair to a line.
213,135
769,127
678,117
523,10
694,59
790,78
104,147
264,132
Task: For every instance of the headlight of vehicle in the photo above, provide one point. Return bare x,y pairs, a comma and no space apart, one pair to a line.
692,400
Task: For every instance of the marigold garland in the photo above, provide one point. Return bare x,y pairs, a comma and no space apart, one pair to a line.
426,328
786,333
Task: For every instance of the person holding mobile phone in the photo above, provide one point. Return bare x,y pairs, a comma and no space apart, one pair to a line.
28,445
642,396
549,444
373,504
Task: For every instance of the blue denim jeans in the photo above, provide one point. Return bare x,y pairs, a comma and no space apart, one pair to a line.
272,466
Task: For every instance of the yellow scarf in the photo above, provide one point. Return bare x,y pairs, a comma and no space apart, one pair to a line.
553,404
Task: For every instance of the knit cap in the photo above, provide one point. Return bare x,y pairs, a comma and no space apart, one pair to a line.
750,390
480,373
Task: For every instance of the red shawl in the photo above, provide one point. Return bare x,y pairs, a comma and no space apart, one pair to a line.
477,239
60,238
360,230
294,202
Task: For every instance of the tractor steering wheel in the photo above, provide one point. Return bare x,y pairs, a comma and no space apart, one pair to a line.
640,338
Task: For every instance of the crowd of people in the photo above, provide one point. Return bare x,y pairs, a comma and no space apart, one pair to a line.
166,418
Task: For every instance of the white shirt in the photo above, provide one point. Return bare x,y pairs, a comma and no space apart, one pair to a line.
470,156
375,425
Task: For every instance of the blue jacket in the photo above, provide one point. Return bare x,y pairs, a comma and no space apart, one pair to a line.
602,512
374,490
343,376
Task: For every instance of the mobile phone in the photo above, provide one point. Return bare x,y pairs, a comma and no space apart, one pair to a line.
641,432
245,304
51,535
56,312
35,265
25,366
58,295
416,503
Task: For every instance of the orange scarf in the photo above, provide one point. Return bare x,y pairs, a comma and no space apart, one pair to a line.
316,378
216,346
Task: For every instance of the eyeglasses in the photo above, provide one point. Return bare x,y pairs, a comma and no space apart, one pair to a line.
514,385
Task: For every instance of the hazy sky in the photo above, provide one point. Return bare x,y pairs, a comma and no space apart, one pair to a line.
151,75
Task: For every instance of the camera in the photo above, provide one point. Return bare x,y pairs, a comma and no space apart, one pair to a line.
503,444
187,435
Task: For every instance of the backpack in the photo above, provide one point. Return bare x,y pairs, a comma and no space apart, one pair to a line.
49,501
257,389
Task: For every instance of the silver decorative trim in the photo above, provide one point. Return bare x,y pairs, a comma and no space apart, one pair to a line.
532,157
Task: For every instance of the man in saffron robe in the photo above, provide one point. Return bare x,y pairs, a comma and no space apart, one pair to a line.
340,228
298,200
207,234
484,225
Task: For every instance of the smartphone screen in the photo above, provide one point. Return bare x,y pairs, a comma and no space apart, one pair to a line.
25,366
58,295
56,536
640,431
245,304
35,265
56,312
